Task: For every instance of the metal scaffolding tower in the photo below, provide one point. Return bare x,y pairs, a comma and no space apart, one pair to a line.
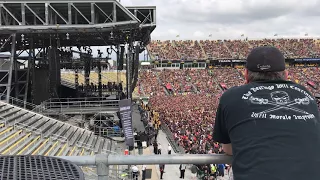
34,31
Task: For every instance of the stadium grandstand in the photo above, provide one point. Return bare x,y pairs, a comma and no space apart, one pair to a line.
186,73
61,96
230,49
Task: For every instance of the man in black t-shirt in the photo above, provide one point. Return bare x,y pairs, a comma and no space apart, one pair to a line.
270,125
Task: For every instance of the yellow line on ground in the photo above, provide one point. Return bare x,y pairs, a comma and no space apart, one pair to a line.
43,143
13,135
71,152
81,154
8,129
16,143
26,147
61,150
47,153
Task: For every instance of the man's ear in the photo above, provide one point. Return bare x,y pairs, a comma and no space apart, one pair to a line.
246,75
286,74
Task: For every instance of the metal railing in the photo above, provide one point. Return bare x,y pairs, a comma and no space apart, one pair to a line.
81,104
41,109
105,131
3,121
27,128
68,84
75,99
103,161
110,132
172,141
60,138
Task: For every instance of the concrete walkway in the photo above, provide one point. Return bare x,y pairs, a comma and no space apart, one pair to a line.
172,172
155,174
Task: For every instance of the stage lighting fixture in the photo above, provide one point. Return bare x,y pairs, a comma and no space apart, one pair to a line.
111,35
109,51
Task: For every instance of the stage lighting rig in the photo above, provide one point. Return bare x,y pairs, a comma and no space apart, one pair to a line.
100,53
111,36
89,51
109,51
22,37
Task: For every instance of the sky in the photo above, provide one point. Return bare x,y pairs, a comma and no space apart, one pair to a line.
229,19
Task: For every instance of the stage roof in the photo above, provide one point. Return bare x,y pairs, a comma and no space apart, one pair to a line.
75,22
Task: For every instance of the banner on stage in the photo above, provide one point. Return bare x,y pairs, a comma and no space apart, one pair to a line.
126,120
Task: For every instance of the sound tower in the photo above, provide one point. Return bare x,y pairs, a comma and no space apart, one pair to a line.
136,59
120,58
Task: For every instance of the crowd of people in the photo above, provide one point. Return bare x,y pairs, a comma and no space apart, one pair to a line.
186,99
149,83
110,87
190,121
189,112
231,49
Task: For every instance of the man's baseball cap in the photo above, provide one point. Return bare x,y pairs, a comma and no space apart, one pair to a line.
266,59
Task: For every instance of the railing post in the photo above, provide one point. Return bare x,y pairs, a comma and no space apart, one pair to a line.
102,167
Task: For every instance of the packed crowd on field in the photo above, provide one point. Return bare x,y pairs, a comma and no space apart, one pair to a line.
188,109
230,49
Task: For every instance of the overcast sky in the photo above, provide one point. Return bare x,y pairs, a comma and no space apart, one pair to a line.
229,19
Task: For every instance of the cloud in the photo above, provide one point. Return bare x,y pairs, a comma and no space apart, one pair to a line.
173,32
198,34
228,19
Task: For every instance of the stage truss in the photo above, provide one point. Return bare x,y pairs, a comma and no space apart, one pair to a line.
41,28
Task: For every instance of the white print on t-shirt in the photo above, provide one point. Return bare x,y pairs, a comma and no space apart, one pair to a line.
282,117
280,100
276,86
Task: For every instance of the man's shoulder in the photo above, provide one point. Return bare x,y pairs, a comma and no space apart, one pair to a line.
234,91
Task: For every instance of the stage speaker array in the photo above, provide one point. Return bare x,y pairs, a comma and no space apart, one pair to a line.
120,58
135,62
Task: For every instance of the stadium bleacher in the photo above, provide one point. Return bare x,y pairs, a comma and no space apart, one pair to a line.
187,113
169,87
106,77
24,132
230,49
